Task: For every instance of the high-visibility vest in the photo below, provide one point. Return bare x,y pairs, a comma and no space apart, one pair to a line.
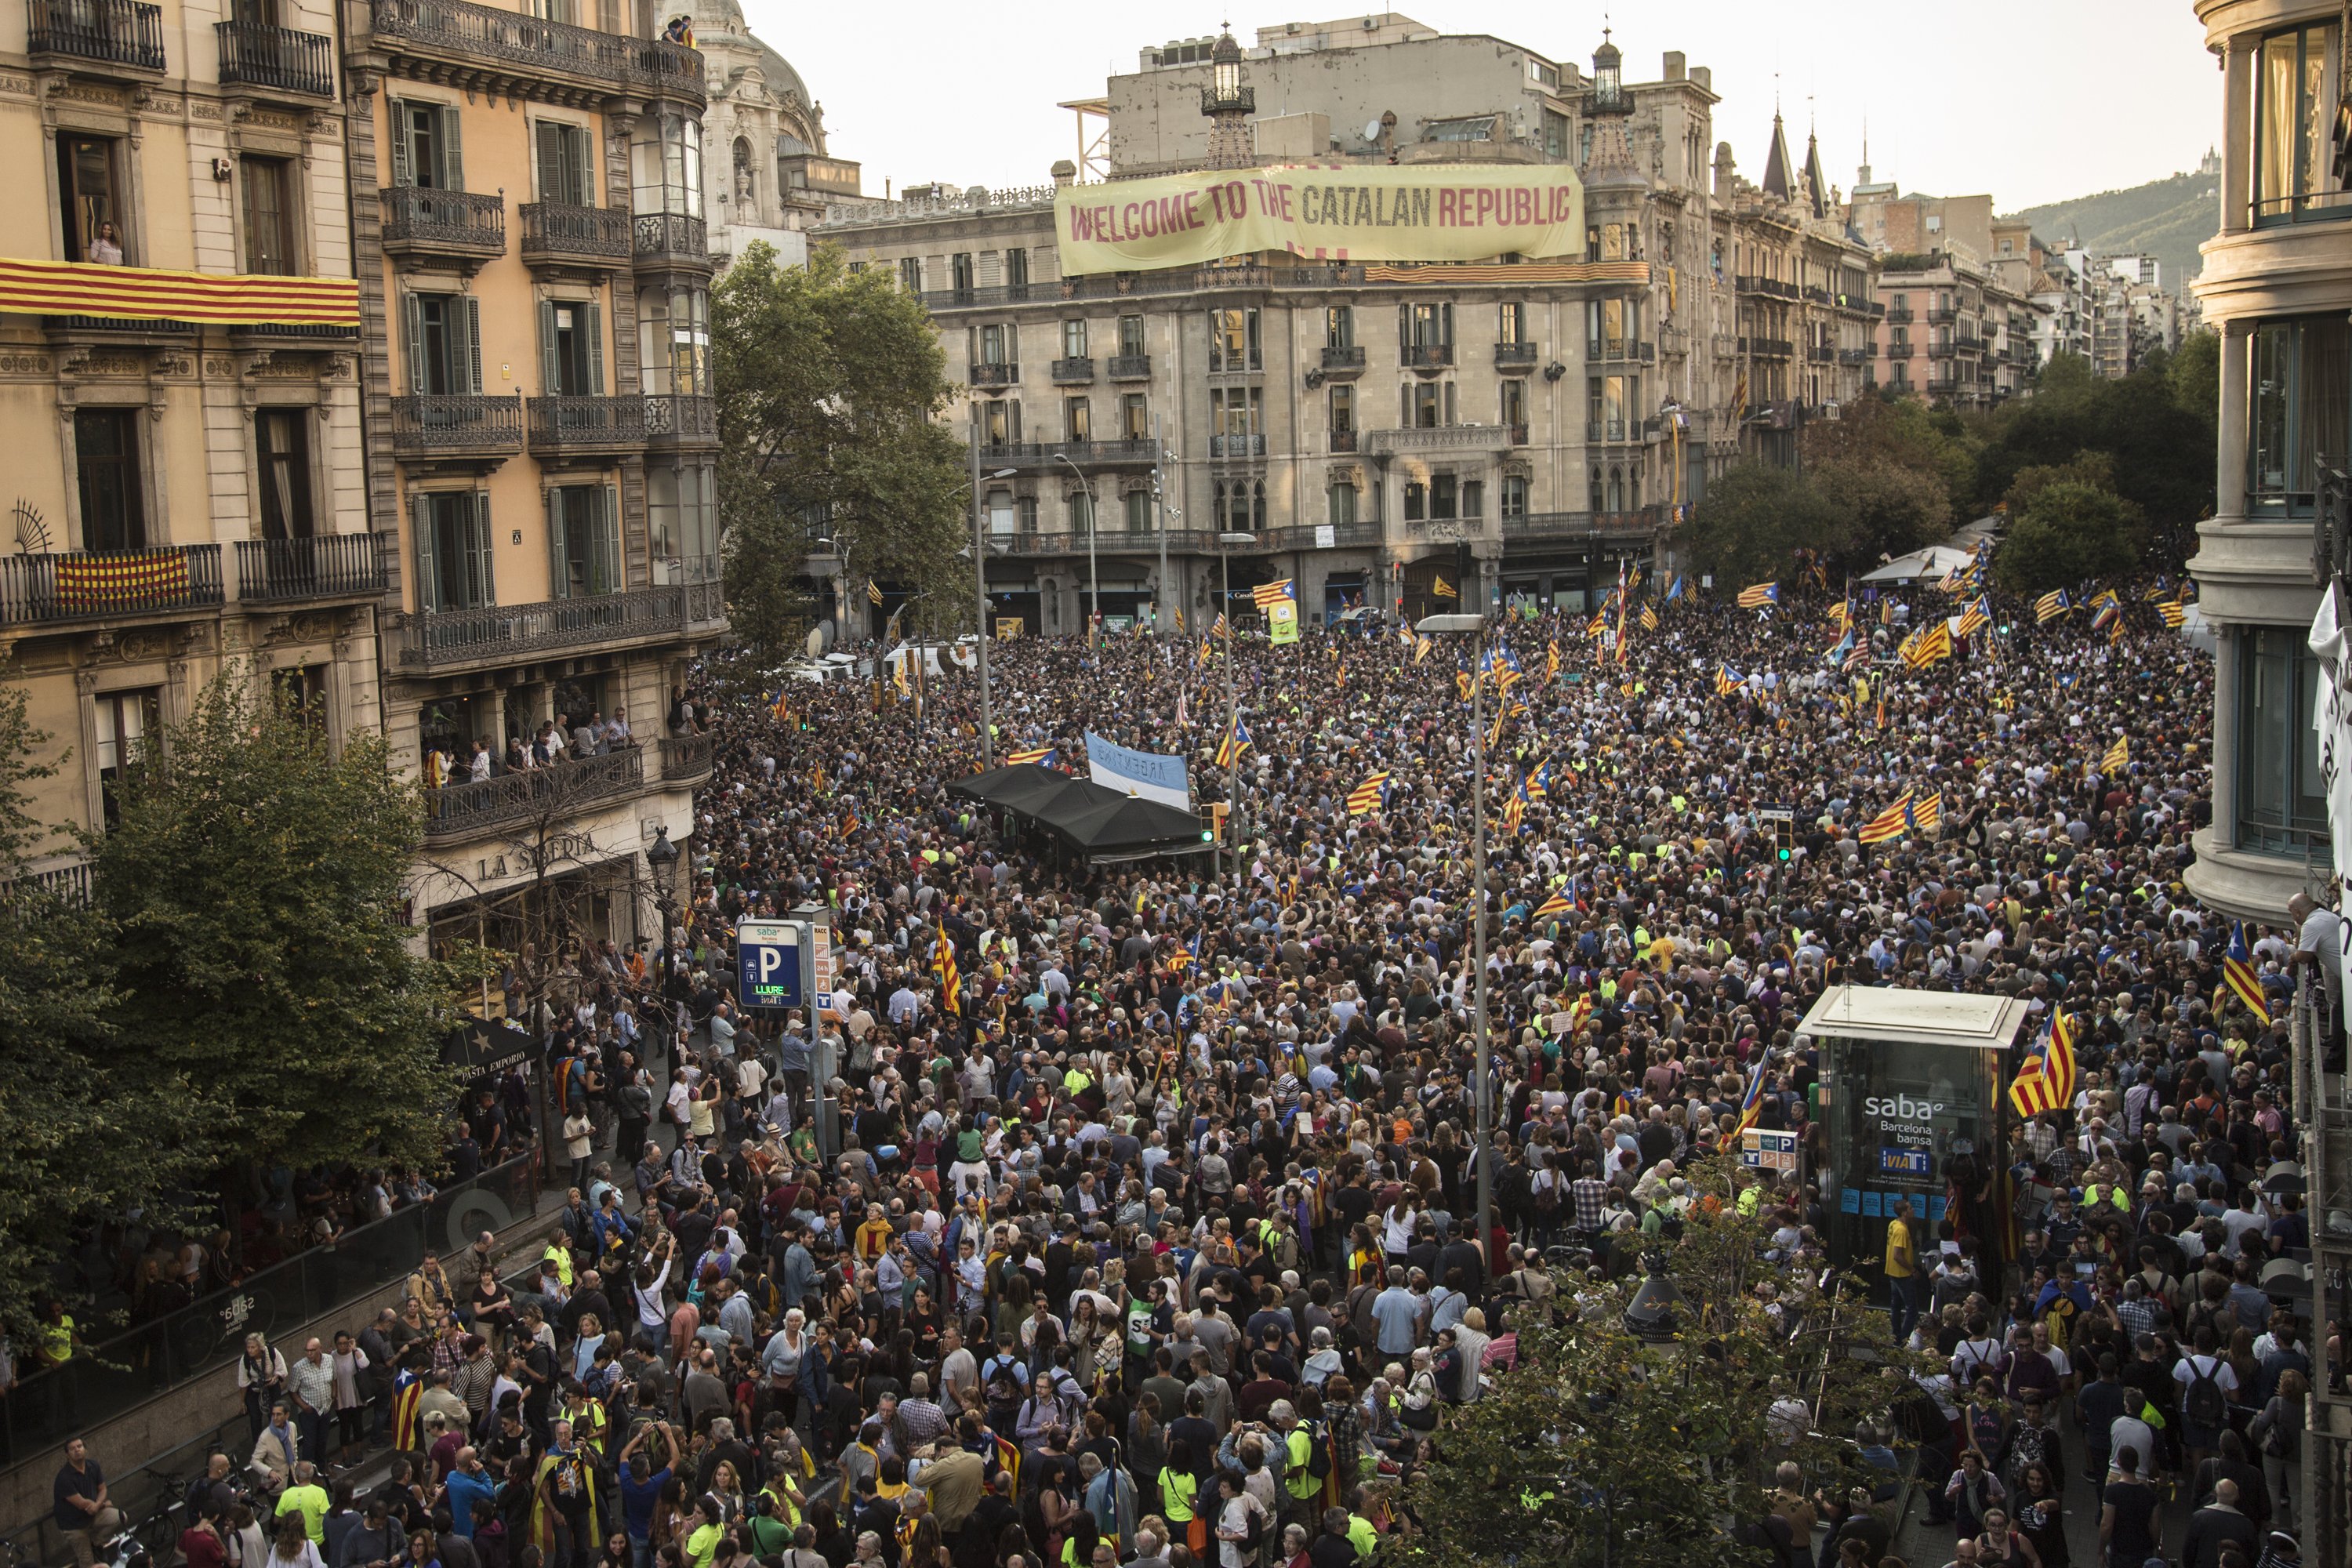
1176,1494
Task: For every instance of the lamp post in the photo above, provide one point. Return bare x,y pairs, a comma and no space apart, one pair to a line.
1226,541
1094,576
1474,629
980,603
661,861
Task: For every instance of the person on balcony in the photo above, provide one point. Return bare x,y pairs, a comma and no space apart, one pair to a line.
106,248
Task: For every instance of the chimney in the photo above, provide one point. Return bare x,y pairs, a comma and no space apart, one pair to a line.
1674,62
1703,77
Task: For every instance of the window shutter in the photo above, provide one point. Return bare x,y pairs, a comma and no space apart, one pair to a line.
1012,342
412,320
453,150
404,164
1404,328
595,328
472,363
552,186
559,562
551,373
608,541
420,528
483,583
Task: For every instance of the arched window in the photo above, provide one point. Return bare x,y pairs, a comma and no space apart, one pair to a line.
1258,508
1596,497
1616,488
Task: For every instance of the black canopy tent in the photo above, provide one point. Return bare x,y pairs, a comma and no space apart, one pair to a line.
1098,822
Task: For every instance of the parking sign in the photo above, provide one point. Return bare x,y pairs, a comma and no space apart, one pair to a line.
768,962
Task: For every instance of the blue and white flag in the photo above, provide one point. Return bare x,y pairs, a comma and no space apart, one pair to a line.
1149,775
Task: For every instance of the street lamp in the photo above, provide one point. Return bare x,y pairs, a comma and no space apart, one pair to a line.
1474,629
1094,576
979,601
839,550
661,860
1226,541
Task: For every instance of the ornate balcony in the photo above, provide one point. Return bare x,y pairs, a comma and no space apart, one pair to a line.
557,233
328,566
449,638
451,425
672,239
107,584
460,811
561,425
1343,359
455,225
1130,367
489,46
275,59
1042,454
680,419
988,374
1426,356
118,34
1245,446
1077,372
685,759
1514,354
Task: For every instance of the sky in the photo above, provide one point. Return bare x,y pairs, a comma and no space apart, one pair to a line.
2031,100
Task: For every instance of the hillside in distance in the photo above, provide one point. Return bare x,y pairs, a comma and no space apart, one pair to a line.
2166,218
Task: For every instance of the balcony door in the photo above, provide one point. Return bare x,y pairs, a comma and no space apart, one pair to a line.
89,179
566,174
444,344
571,348
106,464
426,149
268,216
452,531
584,542
281,440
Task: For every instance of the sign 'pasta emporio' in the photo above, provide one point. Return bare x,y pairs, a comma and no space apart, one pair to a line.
1337,211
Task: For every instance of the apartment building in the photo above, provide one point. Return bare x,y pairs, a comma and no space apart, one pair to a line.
1940,309
185,485
1803,318
1388,434
527,193
2277,284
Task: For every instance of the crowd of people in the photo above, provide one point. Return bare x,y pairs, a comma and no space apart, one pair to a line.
1150,1234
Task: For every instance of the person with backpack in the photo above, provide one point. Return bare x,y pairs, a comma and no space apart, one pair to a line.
1243,1525
1305,1463
2207,1382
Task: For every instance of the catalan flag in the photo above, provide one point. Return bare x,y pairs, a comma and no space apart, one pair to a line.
1179,618
2158,589
1266,595
1514,811
1597,627
1950,581
2106,608
1649,618
943,960
1421,646
1369,797
1726,680
1554,905
1751,1099
1461,683
1975,617
1043,756
1552,660
1536,785
872,592
1237,742
2238,974
776,710
1220,629
1886,612
2174,613
1927,646
2045,1081
1757,595
2050,605
1892,823
1842,612
1439,588
1928,812
2118,756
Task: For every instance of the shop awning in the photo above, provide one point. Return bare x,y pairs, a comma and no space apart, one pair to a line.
1092,819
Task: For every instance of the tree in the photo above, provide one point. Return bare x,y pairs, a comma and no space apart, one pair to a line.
2068,528
2156,424
88,1130
254,883
830,386
1754,519
1605,1449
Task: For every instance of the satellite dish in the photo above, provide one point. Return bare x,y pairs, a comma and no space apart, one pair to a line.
1372,129
817,638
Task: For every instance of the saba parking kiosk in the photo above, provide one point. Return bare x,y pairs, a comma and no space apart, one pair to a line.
1912,1106
782,965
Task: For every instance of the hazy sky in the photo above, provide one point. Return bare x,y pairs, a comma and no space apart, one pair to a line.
2030,99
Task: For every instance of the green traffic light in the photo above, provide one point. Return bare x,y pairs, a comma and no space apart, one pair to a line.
1784,855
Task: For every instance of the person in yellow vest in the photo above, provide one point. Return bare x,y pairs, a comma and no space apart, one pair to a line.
1302,1503
1180,1491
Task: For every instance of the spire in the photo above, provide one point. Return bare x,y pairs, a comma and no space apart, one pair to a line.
1609,164
1779,179
1817,184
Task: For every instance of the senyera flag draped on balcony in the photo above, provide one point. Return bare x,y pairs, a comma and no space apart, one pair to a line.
151,294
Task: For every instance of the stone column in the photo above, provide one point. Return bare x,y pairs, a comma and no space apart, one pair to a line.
2230,446
2236,142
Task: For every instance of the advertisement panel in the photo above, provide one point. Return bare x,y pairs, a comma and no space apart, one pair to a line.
1338,212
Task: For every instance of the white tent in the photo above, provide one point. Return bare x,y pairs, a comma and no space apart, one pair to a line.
1930,564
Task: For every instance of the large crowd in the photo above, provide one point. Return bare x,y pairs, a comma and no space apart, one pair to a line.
1150,1240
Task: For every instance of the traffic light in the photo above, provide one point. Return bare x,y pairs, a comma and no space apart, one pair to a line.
1784,836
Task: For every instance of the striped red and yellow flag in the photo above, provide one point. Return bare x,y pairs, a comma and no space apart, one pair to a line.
152,294
1367,797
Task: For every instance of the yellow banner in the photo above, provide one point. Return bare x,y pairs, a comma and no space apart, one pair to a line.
1282,621
1337,211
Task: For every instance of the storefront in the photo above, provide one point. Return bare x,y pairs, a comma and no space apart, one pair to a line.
1913,1105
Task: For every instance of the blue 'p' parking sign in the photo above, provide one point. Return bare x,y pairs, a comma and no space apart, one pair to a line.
768,962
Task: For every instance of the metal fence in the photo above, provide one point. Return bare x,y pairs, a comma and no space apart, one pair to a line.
132,1367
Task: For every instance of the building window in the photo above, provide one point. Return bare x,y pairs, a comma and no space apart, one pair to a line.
2301,413
1131,336
959,272
1511,325
1611,328
1074,339
1445,497
571,348
1339,503
681,523
1134,417
444,344
281,440
427,149
1076,419
1343,409
1016,269
128,724
1424,326
666,164
998,342
268,218
1514,406
1416,501
301,694
452,531
911,274
2294,105
1340,327
1139,512
584,536
106,467
1233,341
1555,134
1514,495
1428,403
1234,411
567,171
89,181
1025,510
2281,800
1000,422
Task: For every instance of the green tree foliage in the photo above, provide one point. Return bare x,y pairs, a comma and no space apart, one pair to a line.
1754,519
830,384
254,884
2071,527
1601,1448
87,1128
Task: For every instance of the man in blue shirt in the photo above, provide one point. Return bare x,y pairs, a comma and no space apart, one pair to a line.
1396,1315
469,1482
